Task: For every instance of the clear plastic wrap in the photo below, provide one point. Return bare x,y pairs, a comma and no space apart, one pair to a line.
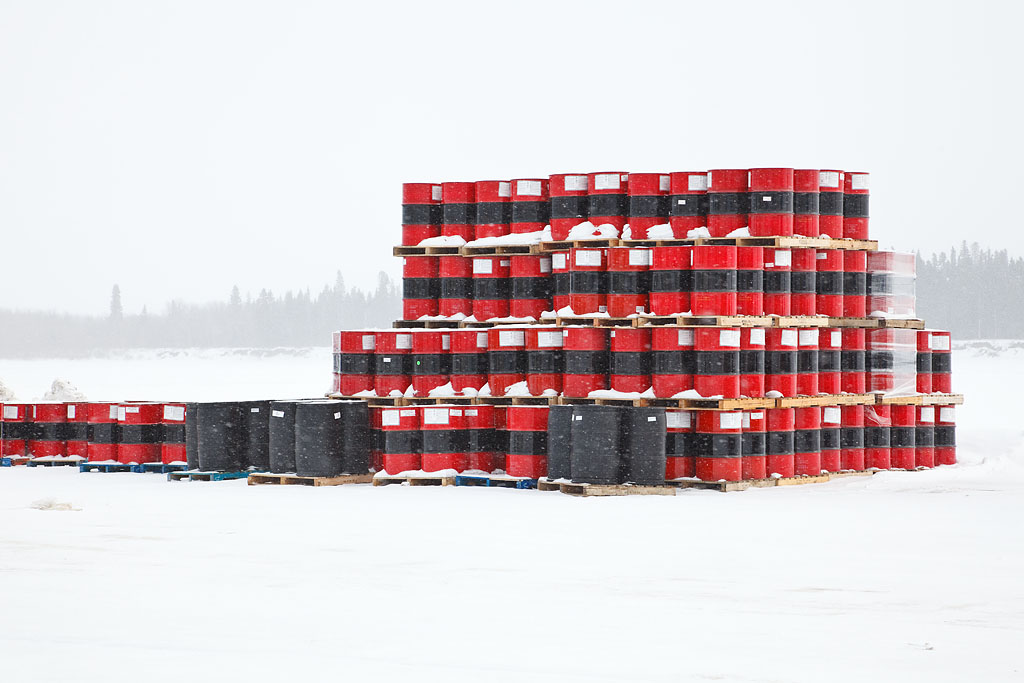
892,361
892,288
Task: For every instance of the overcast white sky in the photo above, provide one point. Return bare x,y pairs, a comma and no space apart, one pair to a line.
178,148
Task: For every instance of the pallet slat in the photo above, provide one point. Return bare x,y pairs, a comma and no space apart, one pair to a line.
296,480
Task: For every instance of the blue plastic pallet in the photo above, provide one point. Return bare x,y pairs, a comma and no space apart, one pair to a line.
6,462
158,468
206,476
501,482
93,467
53,463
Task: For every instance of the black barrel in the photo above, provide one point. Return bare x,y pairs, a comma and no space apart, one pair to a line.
560,442
191,435
222,440
281,436
357,439
319,430
257,424
595,444
644,438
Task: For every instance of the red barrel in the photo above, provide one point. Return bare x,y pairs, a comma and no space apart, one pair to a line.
506,358
628,281
588,281
924,362
855,205
527,441
630,366
805,202
500,437
606,198
755,453
688,202
671,278
376,439
802,289
419,287
752,348
402,439
568,202
560,279
456,286
719,445
672,361
771,202
727,201
544,362
141,432
16,429
356,361
831,439
780,367
491,287
714,280
942,361
828,283
493,208
780,434
902,441
717,361
851,438
855,284
421,212
648,202
77,430
531,285
830,204
853,359
172,427
750,280
444,438
103,432
430,360
807,441
924,437
391,361
468,359
529,205
945,436
586,360
778,271
479,423
830,348
458,209
680,444
48,430
807,361
877,422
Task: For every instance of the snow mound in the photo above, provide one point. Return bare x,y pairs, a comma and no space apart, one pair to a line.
6,394
63,390
518,389
443,390
698,232
587,230
51,504
739,232
443,241
512,239
660,232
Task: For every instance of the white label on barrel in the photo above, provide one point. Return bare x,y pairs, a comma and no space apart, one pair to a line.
71,412
828,178
947,414
681,202
757,415
858,181
132,409
386,359
677,420
558,261
457,412
403,341
369,342
652,419
788,338
446,342
729,338
640,309
639,257
471,412
10,412
663,183
407,412
837,339
833,416
435,193
577,417
251,410
113,412
280,413
746,420
697,183
435,416
624,177
808,338
938,342
685,337
730,420
528,187
927,414
547,340
575,183
504,189
766,198
481,340
120,414
757,337
505,262
545,264
482,266
34,409
821,256
588,257
606,181
511,338
783,257
390,418
337,416
709,180
177,413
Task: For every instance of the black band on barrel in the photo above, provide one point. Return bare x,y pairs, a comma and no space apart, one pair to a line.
356,364
456,288
830,204
546,362
716,362
530,212
490,288
780,362
458,214
527,443
526,288
723,281
569,207
776,281
751,362
400,442
780,443
419,288
688,205
392,365
805,203
506,362
755,444
807,441
649,207
829,283
727,203
855,205
771,202
493,213
602,205
469,364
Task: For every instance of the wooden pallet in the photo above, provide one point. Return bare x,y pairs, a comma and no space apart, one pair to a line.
426,324
296,480
545,484
593,321
826,400
426,251
596,243
711,403
575,489
901,324
205,476
438,400
723,486
516,400
703,321
501,250
588,401
779,242
943,399
495,481
800,321
12,461
417,480
865,323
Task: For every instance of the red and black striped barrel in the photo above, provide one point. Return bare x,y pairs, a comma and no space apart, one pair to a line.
672,360
749,280
430,360
680,444
830,349
421,212
140,432
778,273
755,453
103,432
771,202
506,358
830,204
945,436
500,437
376,439
458,209
456,286
831,439
531,285
728,200
481,444
688,202
172,421
648,202
493,208
585,350
402,439
530,206
855,205
491,287
780,367
802,282
356,361
828,283
588,280
714,280
569,203
877,423
942,361
851,438
420,286
468,359
807,361
607,198
924,362
671,280
924,437
719,445
15,430
855,284
444,438
807,441
780,426
717,361
892,360
752,348
560,287
77,430
544,361
853,361
805,202
47,438
391,361
527,441
902,441
629,281
630,365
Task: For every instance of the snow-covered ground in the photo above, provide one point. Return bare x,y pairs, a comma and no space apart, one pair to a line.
898,577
